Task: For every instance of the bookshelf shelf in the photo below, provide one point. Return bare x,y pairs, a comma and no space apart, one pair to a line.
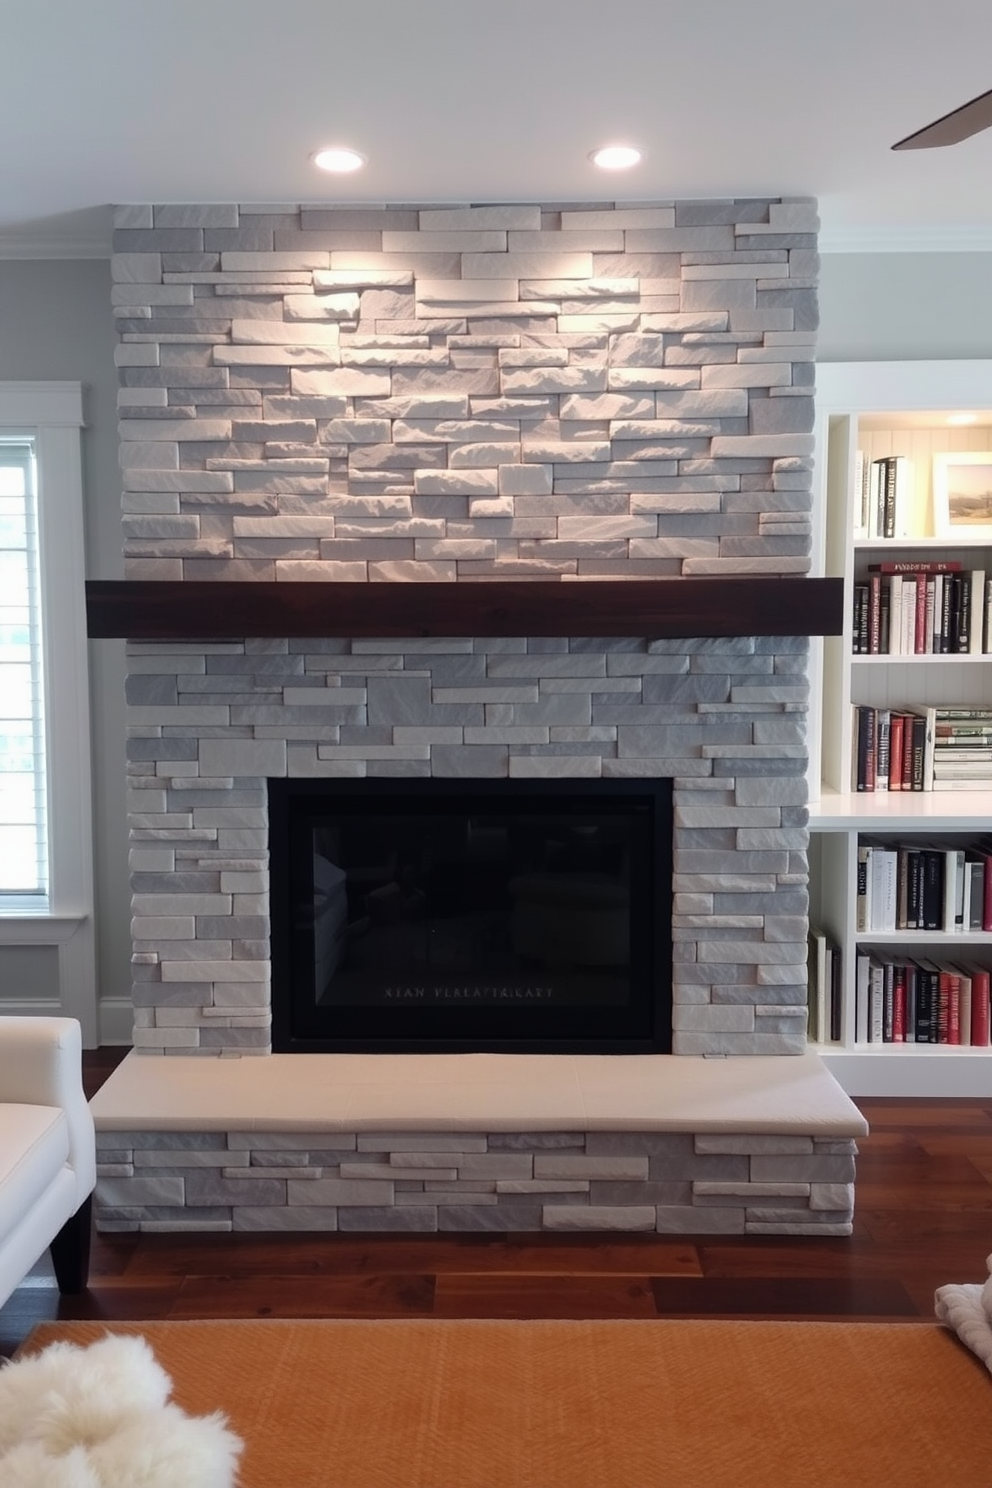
869,412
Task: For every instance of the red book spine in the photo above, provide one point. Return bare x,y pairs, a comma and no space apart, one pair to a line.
980,1009
899,1005
953,1008
896,726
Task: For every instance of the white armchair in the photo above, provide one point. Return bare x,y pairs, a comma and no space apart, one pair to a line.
47,1152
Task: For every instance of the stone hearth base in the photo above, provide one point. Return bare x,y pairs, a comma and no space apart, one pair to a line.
476,1142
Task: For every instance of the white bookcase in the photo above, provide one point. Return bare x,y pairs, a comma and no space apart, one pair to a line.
883,409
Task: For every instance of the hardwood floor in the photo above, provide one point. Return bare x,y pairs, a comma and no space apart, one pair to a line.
923,1217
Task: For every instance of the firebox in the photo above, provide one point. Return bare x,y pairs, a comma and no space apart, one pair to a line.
471,915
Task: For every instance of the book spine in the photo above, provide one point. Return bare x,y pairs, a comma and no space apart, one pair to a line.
874,614
889,498
919,748
976,632
953,1008
867,719
980,1009
883,756
863,896
899,1004
862,998
896,724
876,1005
914,565
920,627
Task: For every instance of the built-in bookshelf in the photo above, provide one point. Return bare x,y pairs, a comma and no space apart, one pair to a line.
915,663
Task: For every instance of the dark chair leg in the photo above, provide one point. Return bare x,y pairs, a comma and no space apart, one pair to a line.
70,1250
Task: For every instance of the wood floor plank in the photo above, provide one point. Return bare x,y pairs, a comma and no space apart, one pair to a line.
783,1296
548,1296
299,1297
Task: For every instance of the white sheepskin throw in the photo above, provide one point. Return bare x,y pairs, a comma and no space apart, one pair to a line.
100,1417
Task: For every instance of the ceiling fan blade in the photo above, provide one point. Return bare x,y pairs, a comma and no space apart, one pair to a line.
971,118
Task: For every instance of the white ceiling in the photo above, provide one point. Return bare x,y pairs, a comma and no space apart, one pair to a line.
128,101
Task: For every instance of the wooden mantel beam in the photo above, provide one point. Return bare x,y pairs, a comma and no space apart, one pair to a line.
656,608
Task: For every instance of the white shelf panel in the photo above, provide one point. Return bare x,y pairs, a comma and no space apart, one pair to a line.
910,1069
925,658
918,544
901,811
921,939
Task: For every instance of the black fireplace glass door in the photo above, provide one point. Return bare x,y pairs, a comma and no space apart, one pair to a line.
471,915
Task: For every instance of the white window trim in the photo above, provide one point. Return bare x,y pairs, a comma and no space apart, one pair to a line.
52,414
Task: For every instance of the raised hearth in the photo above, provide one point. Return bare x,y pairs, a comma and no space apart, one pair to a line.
477,1142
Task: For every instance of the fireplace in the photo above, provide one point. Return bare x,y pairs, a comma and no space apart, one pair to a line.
500,502
474,915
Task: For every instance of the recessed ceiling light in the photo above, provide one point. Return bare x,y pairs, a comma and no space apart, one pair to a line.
339,158
963,418
616,157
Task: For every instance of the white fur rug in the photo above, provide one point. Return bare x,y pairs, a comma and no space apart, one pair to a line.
966,1308
100,1417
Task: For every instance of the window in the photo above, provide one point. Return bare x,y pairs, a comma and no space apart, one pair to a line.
23,792
46,849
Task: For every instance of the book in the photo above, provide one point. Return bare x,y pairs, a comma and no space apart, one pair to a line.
817,986
884,888
883,733
895,495
863,894
976,632
875,1001
862,1010
896,725
981,1012
932,898
864,779
924,737
926,1001
953,907
964,1002
916,565
861,511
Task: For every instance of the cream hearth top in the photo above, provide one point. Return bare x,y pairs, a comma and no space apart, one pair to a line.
478,1092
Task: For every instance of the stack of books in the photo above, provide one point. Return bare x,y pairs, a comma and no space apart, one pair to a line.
921,748
962,748
921,609
902,1000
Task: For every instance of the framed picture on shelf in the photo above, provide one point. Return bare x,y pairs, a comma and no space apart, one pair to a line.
962,494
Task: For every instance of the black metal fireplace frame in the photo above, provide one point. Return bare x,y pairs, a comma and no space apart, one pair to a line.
644,1027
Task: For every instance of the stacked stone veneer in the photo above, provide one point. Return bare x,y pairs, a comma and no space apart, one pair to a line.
668,1182
466,394
387,395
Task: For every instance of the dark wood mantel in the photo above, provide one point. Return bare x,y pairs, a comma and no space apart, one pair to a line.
656,608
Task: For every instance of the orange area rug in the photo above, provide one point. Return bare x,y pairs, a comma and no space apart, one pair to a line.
636,1404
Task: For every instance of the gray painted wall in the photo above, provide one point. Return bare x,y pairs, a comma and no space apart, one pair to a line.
55,323
891,307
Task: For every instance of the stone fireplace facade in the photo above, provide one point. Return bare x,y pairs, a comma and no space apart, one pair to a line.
467,394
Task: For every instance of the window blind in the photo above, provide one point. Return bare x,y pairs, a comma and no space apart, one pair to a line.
23,831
